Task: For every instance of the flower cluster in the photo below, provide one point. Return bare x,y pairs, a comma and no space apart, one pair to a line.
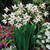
5,35
21,15
44,37
10,48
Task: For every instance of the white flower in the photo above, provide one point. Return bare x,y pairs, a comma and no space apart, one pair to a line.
46,14
29,6
37,40
2,49
32,10
47,33
48,27
18,18
10,47
48,23
12,18
11,22
47,40
43,41
18,12
4,21
36,20
18,25
45,23
7,48
5,15
44,37
20,5
6,9
35,7
38,17
37,11
43,6
39,36
48,46
12,14
48,37
14,7
24,22
26,17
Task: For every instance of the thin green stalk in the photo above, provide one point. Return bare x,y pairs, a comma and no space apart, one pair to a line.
8,43
41,45
16,35
36,37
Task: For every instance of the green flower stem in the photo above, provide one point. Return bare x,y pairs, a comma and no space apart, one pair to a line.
7,43
36,37
41,45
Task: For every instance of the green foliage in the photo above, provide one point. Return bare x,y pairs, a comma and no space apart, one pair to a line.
24,37
34,1
41,1
16,1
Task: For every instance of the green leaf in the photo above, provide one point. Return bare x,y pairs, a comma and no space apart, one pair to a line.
41,45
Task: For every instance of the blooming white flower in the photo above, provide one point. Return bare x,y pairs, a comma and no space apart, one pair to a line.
48,23
36,20
29,6
12,14
12,18
38,17
5,15
44,37
10,48
32,10
18,25
24,15
48,27
24,22
35,7
42,5
18,12
48,46
14,7
20,5
37,40
47,33
42,41
11,22
47,40
45,23
39,36
46,14
18,18
6,9
4,21
48,37
27,18
37,11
